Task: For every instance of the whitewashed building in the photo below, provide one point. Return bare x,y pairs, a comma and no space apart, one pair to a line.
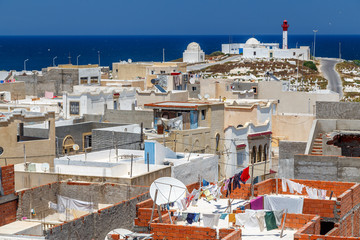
94,100
193,53
254,49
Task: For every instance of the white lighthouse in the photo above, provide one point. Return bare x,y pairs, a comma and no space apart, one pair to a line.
285,27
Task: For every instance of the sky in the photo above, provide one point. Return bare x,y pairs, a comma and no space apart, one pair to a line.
180,17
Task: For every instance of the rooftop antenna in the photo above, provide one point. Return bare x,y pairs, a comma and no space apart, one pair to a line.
69,57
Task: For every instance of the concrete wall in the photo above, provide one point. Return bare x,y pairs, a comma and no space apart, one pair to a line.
337,110
17,89
129,71
35,179
287,150
217,88
152,97
206,168
37,150
327,168
130,117
92,226
292,127
103,139
293,102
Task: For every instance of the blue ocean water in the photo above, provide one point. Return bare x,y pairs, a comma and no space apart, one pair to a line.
40,50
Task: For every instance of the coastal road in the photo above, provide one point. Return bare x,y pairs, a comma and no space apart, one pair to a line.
200,66
327,67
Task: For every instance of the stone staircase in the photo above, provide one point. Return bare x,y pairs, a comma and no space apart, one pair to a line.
317,146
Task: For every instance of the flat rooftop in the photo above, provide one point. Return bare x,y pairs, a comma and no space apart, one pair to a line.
179,105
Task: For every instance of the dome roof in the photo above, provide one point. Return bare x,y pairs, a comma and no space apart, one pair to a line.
252,41
193,46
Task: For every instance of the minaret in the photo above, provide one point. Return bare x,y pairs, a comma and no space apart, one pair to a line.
285,27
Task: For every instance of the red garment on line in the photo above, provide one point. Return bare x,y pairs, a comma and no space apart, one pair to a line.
245,175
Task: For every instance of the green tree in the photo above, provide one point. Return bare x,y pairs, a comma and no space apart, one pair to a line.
311,65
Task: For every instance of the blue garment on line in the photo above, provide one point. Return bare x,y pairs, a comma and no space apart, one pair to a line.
190,218
205,183
223,216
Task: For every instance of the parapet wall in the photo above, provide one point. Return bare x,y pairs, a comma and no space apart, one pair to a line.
8,201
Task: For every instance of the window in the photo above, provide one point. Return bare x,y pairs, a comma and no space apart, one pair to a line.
253,155
194,88
94,80
152,72
265,152
203,114
162,72
259,154
254,89
254,53
74,108
294,53
115,105
83,80
117,70
239,159
87,140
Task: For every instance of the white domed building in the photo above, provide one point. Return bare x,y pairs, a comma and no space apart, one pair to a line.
253,48
193,53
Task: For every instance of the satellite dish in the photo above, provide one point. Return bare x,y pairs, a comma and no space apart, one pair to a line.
76,147
45,167
35,109
206,96
169,190
1,151
199,96
192,80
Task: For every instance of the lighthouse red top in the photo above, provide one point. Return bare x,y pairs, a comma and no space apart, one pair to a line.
285,25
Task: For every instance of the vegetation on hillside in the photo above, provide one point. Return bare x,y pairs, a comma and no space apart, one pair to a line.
216,53
310,64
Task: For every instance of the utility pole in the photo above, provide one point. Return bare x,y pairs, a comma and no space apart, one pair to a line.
69,57
339,50
99,58
315,31
163,55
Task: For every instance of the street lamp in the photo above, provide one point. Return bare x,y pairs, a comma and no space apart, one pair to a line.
99,57
315,31
54,61
297,75
25,64
77,59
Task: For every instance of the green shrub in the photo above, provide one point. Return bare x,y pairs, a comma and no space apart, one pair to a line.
217,53
310,64
357,62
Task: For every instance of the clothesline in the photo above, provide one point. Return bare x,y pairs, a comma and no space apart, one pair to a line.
313,193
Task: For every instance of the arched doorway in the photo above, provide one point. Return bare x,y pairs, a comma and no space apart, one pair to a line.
67,146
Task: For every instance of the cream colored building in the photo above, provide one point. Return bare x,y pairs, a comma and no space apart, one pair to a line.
19,144
145,70
151,96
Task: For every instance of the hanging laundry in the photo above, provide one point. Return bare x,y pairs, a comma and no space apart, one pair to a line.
245,175
323,194
298,187
205,183
260,216
257,203
256,180
223,216
236,181
283,184
228,192
53,205
232,218
290,185
197,217
211,220
293,205
196,194
182,217
270,221
190,218
225,187
70,203
278,216
247,219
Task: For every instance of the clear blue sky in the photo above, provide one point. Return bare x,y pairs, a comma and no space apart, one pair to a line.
170,17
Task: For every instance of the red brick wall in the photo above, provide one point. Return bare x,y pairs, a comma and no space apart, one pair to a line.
297,221
8,212
242,193
8,209
324,208
235,235
8,179
179,232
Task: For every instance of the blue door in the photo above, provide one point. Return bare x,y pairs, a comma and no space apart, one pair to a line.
193,119
149,150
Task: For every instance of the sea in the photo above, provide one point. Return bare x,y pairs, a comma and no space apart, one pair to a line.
44,51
